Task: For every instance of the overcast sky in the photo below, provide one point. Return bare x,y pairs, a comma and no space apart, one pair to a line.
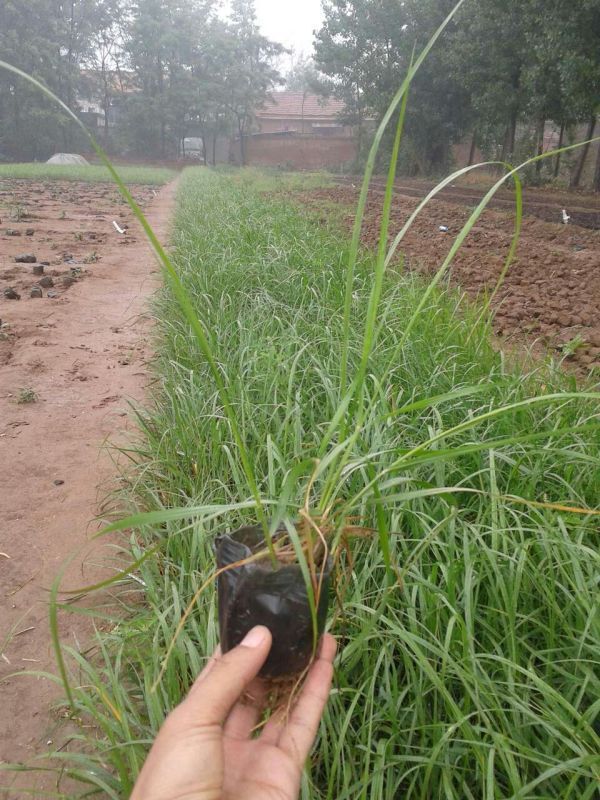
290,22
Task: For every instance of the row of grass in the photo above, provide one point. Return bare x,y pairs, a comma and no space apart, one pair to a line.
153,176
474,674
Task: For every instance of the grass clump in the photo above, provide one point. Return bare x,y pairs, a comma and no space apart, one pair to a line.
26,395
153,176
469,669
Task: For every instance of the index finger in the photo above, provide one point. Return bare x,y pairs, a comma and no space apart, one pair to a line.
299,734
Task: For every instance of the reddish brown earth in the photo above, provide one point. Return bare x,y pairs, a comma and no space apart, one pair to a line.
83,354
551,295
541,202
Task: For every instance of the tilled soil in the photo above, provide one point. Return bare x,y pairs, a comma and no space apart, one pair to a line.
70,360
551,294
547,204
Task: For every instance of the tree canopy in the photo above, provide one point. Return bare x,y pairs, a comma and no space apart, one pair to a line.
167,70
500,64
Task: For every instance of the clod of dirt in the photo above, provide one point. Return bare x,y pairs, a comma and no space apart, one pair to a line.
36,291
593,338
10,294
26,258
67,281
29,231
38,269
12,232
46,282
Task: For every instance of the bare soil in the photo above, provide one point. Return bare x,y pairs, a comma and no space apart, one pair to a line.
541,202
69,363
551,296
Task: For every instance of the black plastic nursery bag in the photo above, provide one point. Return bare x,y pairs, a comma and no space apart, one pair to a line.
258,593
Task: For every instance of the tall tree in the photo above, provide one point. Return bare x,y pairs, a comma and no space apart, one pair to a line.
30,126
105,57
248,72
365,48
499,63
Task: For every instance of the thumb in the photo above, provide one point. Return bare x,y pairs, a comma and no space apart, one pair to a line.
214,694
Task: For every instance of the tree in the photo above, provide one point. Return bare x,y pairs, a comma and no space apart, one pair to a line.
303,76
248,72
195,72
105,56
30,126
365,48
210,110
499,63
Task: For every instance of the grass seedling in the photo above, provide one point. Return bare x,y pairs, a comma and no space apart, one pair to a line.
26,395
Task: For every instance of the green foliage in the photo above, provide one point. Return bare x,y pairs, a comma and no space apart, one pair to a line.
26,395
93,174
303,76
501,64
30,37
198,74
474,675
159,69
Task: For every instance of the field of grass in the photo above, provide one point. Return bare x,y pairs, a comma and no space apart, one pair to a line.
154,176
469,669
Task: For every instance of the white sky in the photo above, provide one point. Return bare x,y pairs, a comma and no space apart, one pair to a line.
290,22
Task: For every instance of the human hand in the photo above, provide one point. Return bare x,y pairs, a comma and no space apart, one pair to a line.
205,749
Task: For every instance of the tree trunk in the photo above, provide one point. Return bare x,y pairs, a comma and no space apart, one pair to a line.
540,145
596,183
561,137
508,147
17,116
214,150
69,94
576,177
106,105
242,143
472,149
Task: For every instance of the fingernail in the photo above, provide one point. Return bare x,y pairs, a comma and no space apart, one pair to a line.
255,637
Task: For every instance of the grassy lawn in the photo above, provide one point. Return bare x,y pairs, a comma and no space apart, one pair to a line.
92,174
468,670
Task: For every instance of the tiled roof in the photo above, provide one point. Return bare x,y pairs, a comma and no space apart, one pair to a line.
296,104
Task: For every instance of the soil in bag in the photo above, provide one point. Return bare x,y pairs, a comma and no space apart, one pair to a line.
258,593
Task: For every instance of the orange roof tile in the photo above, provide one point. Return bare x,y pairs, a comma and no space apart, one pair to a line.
297,104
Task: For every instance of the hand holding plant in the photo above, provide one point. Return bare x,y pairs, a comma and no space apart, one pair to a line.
205,749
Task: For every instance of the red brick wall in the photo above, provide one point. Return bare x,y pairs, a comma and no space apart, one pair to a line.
300,152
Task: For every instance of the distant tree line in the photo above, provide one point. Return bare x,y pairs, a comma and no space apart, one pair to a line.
170,70
502,69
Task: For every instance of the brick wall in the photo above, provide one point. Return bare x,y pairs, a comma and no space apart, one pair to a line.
300,152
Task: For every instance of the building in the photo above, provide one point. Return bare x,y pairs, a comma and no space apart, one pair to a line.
301,112
299,130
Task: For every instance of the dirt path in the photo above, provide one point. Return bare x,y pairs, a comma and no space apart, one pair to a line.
83,354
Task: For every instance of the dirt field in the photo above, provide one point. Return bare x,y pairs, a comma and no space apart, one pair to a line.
551,295
69,361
